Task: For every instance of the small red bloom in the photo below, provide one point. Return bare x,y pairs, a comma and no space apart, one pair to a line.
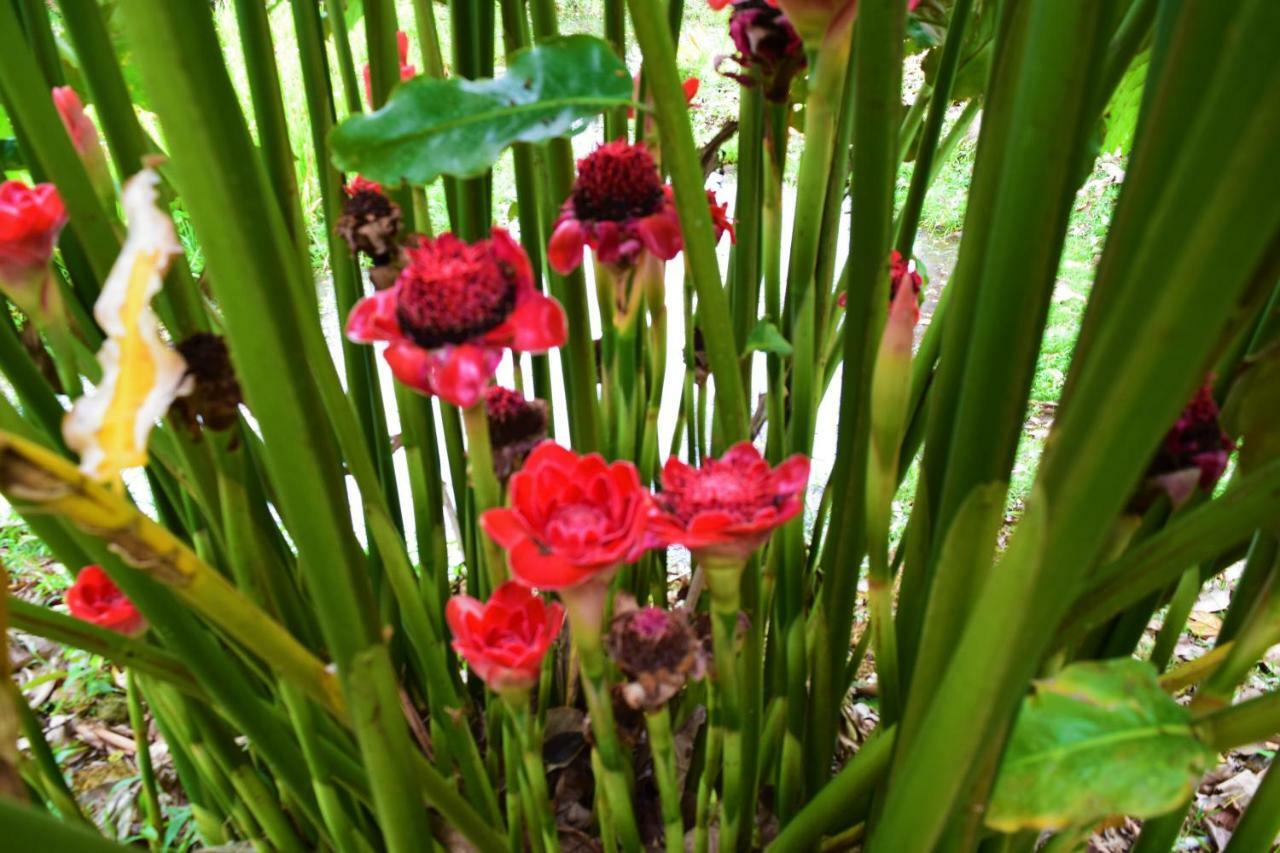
769,49
727,508
453,310
406,70
899,271
505,638
1195,451
813,18
361,184
81,129
31,218
572,518
619,208
516,426
96,599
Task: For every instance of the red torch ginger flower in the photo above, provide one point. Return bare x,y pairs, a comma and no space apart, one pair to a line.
657,650
726,509
619,208
505,638
452,311
1195,451
360,184
406,70
572,518
95,598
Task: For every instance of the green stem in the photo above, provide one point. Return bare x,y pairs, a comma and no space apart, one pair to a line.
658,724
142,754
585,607
724,580
534,775
488,492
1258,829
54,786
337,19
681,157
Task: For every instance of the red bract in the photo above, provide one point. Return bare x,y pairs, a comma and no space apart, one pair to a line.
406,70
572,518
81,129
726,509
1195,451
31,218
619,208
95,598
813,18
505,638
452,311
361,184
899,271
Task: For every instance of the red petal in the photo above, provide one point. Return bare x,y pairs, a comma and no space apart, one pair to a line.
532,566
537,324
564,250
410,364
504,527
660,233
459,374
374,318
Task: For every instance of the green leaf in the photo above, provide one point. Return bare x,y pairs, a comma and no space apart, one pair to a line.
459,127
1251,406
1100,738
1120,119
765,337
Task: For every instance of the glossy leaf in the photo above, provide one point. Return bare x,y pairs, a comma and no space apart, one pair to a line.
459,127
1099,738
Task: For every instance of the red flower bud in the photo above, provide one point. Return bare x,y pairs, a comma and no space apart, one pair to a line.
31,218
769,49
95,598
726,509
516,426
505,638
572,518
1195,451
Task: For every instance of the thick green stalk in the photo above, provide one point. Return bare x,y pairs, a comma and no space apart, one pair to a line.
1259,565
337,19
328,798
615,32
28,829
877,95
578,360
829,808
681,157
487,491
938,105
1247,722
822,119
273,128
424,15
55,786
1175,618
142,742
744,283
533,774
724,582
1195,537
585,608
658,724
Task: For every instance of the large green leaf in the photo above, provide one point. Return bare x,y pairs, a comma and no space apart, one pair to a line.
460,127
1100,738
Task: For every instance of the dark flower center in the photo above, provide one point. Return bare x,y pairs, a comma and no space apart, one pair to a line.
452,291
512,418
616,182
